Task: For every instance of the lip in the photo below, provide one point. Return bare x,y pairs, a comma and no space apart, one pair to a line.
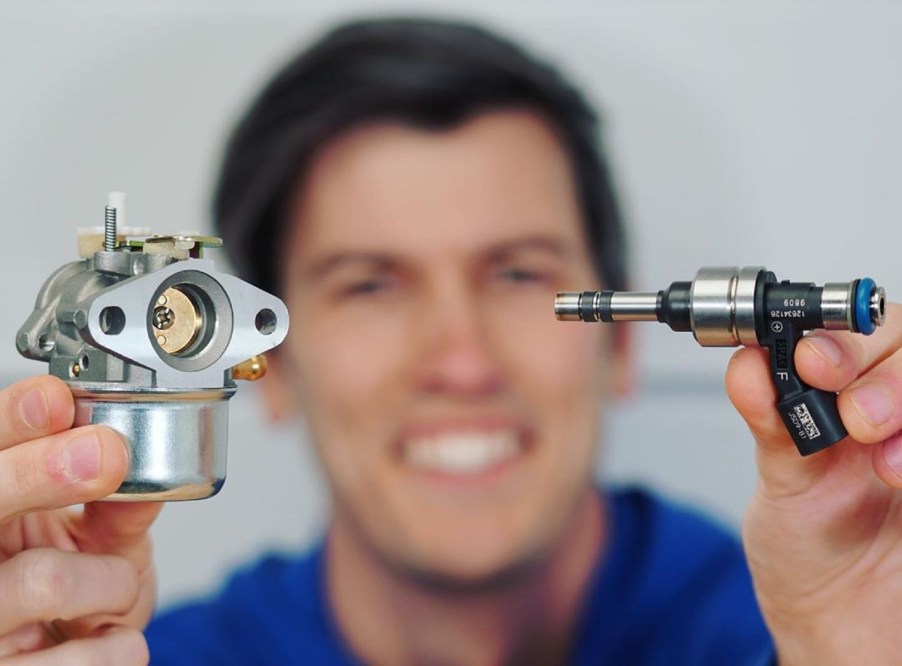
441,426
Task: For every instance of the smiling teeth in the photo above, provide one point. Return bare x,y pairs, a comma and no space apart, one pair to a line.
461,453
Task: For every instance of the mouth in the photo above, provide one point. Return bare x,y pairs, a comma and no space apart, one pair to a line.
463,453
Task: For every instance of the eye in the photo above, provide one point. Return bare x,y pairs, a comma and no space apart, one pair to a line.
521,275
369,284
366,287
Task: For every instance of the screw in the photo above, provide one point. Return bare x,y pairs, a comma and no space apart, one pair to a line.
163,317
109,229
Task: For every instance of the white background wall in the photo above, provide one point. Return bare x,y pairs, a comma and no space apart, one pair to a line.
747,133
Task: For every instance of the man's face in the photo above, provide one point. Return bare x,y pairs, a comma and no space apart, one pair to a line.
455,417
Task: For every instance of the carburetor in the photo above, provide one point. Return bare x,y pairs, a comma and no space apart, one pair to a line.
150,337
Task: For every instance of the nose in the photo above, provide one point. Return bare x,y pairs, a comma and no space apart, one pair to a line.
460,356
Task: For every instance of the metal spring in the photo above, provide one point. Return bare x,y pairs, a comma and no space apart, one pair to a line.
109,229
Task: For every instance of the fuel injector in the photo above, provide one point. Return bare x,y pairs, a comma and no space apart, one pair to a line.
730,306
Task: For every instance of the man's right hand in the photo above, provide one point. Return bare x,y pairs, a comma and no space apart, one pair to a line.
75,586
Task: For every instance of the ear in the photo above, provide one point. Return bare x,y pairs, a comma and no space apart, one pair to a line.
276,389
622,369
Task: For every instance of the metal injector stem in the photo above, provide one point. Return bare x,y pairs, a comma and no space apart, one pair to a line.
730,306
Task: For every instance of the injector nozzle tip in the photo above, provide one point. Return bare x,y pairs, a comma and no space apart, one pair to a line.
878,306
566,306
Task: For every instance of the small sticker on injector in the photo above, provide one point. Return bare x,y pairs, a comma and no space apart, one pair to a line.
806,421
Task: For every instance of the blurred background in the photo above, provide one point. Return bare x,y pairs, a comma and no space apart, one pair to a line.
741,133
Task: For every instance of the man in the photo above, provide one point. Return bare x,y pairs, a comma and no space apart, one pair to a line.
417,192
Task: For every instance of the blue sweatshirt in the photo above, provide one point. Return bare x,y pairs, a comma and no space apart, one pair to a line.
670,588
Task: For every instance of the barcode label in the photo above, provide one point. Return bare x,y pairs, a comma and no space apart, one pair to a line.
806,421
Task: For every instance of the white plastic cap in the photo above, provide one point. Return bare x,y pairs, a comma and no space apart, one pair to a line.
117,200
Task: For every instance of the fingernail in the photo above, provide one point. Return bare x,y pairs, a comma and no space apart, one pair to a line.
874,403
34,411
81,458
826,348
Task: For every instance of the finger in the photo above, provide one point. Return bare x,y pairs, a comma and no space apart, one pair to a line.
67,468
887,461
27,638
44,584
112,524
118,528
117,646
832,360
33,408
871,407
750,388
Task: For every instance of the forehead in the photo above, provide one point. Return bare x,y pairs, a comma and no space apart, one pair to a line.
391,188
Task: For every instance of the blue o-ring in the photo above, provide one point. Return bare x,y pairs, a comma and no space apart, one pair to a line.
863,323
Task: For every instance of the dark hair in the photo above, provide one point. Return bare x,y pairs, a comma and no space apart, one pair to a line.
427,73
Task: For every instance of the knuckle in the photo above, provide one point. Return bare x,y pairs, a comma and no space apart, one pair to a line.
134,648
123,577
26,475
123,646
39,582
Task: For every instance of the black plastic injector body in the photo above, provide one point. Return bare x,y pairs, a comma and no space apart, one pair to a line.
730,306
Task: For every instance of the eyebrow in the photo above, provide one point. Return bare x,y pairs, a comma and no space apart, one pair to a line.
384,260
339,260
548,244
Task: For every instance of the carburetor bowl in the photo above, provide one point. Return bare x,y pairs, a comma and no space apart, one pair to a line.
179,439
150,337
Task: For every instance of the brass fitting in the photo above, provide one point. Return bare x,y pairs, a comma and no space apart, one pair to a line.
251,370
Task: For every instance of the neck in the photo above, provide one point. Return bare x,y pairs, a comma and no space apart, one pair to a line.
388,617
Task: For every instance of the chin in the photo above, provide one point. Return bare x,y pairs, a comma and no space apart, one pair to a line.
469,577
467,563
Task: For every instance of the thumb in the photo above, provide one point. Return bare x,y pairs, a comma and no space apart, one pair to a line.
782,470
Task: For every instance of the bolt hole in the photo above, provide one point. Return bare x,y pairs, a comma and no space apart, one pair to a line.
45,344
265,321
112,320
83,362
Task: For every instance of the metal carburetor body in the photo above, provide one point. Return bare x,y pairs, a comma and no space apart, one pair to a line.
150,337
